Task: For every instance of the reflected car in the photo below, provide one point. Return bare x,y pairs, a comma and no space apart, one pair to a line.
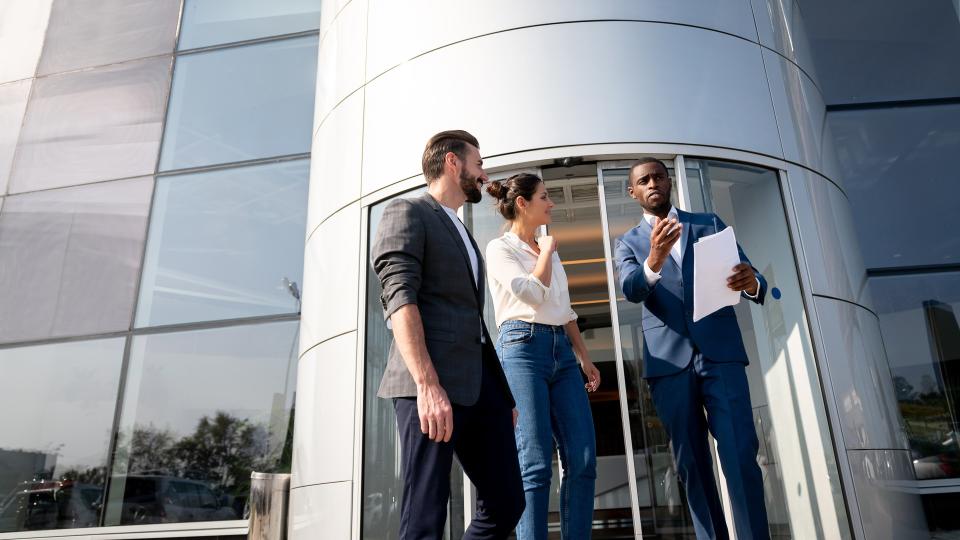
169,499
937,460
49,504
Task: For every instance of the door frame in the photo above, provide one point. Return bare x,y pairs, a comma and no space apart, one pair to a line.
528,160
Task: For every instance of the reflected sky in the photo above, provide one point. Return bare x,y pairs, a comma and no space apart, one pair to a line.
241,103
210,22
222,242
58,400
175,379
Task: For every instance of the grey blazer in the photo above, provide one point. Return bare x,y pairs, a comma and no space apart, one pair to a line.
420,259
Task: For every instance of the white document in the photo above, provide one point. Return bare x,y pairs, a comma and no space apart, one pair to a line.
714,257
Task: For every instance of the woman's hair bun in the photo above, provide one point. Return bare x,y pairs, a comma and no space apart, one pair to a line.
497,189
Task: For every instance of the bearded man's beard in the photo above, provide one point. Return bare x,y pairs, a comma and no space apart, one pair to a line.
468,184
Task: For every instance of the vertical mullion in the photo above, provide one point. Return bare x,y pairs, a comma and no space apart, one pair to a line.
115,429
618,352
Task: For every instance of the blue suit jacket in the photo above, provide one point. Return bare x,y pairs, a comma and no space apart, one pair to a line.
670,337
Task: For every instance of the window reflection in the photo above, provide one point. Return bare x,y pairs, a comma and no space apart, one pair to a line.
894,158
801,493
881,150
201,411
241,103
210,22
918,318
381,448
225,244
58,402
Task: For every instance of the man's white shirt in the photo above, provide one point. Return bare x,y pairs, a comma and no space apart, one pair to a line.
452,214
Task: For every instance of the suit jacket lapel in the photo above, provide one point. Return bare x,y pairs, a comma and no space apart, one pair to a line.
458,240
481,274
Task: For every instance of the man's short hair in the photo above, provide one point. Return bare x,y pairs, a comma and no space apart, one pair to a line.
455,141
644,161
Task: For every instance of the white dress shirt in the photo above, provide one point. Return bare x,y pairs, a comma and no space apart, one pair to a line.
466,240
517,293
472,253
676,252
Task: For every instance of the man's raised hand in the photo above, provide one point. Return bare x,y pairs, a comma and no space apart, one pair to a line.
664,235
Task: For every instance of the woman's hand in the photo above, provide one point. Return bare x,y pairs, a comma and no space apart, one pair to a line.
547,245
593,375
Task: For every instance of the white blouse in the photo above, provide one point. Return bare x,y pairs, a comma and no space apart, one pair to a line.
517,293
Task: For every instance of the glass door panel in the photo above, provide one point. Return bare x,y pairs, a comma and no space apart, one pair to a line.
789,414
578,229
796,450
576,225
382,486
661,499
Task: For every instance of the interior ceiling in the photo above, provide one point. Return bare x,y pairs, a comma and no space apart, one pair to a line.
884,50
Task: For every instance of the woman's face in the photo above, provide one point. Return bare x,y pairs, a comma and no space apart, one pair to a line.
537,209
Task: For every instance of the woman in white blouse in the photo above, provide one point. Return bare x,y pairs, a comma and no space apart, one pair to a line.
536,345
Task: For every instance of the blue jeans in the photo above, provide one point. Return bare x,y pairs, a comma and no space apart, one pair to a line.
547,385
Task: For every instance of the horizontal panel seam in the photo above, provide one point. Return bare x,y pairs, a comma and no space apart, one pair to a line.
845,301
332,482
325,340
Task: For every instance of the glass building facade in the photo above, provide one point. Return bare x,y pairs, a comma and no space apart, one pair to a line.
179,179
154,164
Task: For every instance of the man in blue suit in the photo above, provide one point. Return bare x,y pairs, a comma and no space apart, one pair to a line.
696,370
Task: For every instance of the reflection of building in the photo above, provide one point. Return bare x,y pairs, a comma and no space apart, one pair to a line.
17,466
154,164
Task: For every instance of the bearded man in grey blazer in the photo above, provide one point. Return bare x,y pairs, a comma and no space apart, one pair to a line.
449,391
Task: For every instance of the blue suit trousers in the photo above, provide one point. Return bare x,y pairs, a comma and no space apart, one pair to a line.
714,395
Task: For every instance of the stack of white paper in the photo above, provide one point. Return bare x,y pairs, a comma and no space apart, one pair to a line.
714,257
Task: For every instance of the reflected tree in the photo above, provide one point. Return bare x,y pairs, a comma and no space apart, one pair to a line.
222,450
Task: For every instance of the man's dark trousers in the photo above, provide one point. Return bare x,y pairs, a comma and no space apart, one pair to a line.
484,443
720,389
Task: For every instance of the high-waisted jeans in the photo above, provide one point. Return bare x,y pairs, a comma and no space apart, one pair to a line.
547,385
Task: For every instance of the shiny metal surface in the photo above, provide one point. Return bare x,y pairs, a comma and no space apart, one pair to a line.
828,238
710,90
332,262
269,494
337,157
324,423
322,511
399,31
781,27
888,509
342,58
861,376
